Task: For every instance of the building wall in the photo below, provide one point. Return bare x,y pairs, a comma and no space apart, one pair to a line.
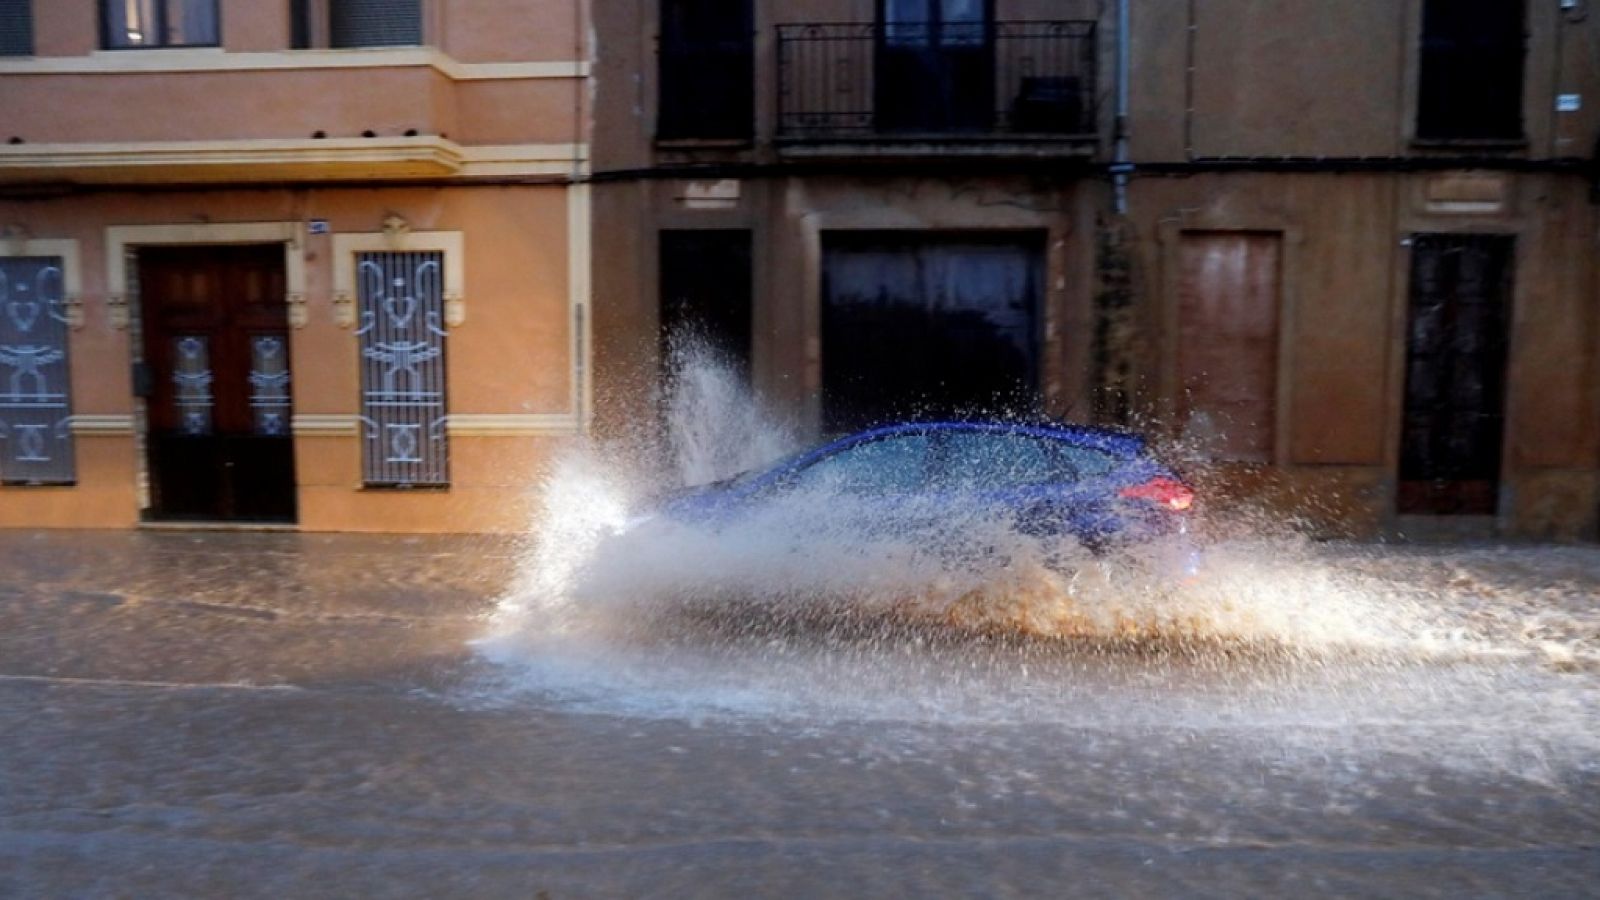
1253,115
480,133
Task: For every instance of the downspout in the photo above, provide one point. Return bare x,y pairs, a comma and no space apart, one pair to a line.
1121,168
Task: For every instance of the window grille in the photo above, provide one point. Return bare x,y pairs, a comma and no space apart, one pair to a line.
355,23
35,384
16,27
374,23
402,335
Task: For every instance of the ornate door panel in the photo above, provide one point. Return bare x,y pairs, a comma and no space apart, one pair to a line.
216,346
404,414
1456,342
35,390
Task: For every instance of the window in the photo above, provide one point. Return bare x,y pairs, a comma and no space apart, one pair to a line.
35,387
1470,70
160,23
402,334
896,465
16,28
950,23
355,23
707,70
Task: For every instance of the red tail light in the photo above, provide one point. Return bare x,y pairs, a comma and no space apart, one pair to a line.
1164,492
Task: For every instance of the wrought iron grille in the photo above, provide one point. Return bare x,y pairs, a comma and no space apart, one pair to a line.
871,81
35,383
402,338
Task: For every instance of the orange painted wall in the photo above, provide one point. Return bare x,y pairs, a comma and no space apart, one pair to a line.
512,356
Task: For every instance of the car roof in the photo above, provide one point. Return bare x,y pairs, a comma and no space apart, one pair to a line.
1118,442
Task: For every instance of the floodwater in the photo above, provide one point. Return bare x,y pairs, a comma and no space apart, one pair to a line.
807,704
282,715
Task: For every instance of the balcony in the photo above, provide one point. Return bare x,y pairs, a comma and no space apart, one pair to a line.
914,89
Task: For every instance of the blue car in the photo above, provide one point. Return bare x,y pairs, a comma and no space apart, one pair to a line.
1099,489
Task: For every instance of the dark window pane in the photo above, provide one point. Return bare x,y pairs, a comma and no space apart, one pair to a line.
1471,70
374,23
707,69
300,24
16,27
161,23
193,22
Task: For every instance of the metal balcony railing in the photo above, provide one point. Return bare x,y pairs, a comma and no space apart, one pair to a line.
908,81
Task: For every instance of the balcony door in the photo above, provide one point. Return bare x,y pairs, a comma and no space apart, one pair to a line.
935,66
216,362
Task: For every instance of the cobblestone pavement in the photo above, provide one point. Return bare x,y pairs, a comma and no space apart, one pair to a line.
276,715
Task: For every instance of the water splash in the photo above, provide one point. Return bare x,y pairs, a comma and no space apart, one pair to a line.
813,608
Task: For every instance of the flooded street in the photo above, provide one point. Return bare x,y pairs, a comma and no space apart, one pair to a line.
296,715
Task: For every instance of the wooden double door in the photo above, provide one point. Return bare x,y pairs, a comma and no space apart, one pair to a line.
217,382
1457,344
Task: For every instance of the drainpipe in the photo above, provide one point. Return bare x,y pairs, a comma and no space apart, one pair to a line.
1120,166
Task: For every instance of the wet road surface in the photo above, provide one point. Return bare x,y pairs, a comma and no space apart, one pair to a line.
296,715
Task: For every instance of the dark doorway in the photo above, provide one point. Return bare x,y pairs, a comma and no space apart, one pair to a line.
1456,343
705,292
935,65
929,326
707,88
216,373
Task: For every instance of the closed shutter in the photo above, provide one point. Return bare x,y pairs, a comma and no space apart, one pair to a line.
16,28
375,23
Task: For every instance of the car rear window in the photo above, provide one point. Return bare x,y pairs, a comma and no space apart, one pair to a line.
980,461
885,466
1084,462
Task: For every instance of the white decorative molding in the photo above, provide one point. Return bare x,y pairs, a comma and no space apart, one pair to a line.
511,425
19,242
298,316
458,425
119,238
23,244
210,59
325,424
103,425
579,290
299,159
345,247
